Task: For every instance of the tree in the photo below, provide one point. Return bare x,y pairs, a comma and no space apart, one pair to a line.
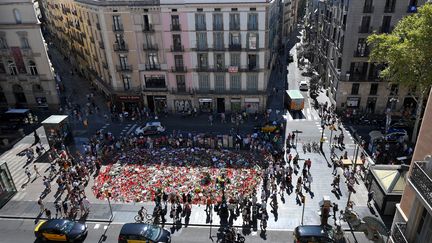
407,55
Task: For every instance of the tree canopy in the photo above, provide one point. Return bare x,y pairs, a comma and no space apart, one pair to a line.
406,51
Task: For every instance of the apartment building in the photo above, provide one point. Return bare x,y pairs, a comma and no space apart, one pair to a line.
413,219
341,54
218,54
168,55
26,76
289,18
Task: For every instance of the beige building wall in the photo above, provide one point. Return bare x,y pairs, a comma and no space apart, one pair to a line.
26,75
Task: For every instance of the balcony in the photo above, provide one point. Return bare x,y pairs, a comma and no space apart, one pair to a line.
27,51
150,47
368,9
152,67
120,48
365,29
101,45
201,47
219,47
147,28
98,26
234,26
124,68
398,233
203,69
178,69
177,48
175,27
217,27
200,27
250,68
235,47
421,179
117,28
253,26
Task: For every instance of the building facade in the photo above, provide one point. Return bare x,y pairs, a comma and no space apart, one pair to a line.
26,75
341,54
289,18
168,55
413,219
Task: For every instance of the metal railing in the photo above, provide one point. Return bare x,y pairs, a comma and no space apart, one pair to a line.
118,47
122,68
152,67
235,47
153,47
179,69
398,233
147,28
117,27
176,27
421,180
177,48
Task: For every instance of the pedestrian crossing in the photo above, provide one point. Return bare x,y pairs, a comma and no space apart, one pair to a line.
128,129
16,163
306,114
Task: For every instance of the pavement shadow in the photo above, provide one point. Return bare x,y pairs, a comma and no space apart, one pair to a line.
263,234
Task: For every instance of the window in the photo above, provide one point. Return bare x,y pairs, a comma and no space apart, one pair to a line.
119,41
177,41
24,43
217,21
365,24
252,62
155,81
12,68
389,6
235,59
362,49
32,68
253,21
252,41
175,22
117,23
394,89
234,21
220,82
202,60
218,40
181,83
368,8
126,81
200,23
178,60
235,39
355,89
123,61
17,16
235,82
201,40
358,70
252,82
219,61
3,43
385,27
373,89
153,59
147,25
204,82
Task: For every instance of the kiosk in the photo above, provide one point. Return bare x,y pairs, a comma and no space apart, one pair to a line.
58,130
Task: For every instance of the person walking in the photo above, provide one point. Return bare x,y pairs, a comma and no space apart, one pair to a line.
335,210
27,172
41,205
48,213
36,171
58,209
371,195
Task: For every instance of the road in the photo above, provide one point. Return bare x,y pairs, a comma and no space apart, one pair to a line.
22,231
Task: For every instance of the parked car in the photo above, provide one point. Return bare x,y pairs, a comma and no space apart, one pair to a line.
141,232
394,135
313,233
150,128
60,230
303,86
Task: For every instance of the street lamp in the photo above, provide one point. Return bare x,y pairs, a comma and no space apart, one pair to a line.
358,144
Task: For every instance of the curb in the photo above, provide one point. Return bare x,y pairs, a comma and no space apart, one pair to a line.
44,218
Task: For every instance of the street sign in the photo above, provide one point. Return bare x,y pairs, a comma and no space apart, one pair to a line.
297,131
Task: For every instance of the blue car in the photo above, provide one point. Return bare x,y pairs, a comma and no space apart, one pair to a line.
394,135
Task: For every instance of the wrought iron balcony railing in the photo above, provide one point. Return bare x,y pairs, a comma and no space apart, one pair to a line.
422,181
398,233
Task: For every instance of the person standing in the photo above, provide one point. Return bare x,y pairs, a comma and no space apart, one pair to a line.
58,209
335,210
48,213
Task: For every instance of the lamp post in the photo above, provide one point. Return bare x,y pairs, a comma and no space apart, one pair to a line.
108,195
358,144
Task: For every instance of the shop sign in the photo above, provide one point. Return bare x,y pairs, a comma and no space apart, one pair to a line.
129,97
353,102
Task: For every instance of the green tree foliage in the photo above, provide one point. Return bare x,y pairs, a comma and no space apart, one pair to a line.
407,50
